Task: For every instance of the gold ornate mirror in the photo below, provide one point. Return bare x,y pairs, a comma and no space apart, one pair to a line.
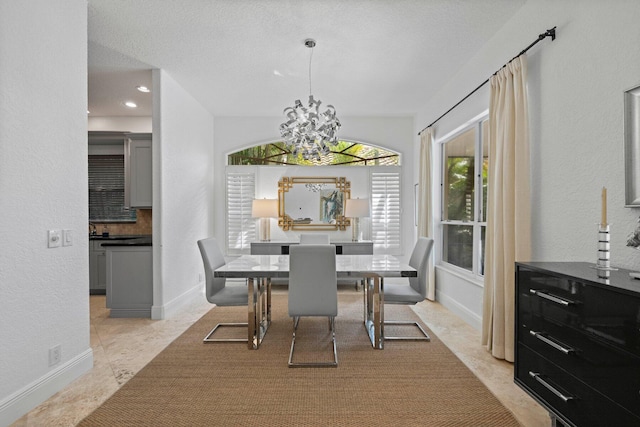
312,203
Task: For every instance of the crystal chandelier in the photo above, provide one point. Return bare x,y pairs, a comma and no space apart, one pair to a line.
307,131
315,187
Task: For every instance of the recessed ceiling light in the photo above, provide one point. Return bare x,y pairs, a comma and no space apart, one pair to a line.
130,104
88,112
143,89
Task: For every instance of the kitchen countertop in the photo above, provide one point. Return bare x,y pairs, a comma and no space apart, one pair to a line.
123,240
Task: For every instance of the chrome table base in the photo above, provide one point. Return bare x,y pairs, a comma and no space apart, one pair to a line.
373,286
259,319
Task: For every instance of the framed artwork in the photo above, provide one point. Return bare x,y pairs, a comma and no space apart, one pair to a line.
331,205
632,147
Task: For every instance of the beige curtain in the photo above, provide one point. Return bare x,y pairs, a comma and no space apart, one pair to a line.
508,206
425,213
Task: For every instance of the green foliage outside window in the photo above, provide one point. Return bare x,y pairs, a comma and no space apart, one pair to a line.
465,198
460,178
346,153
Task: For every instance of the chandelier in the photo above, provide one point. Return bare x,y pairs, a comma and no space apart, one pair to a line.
315,187
308,131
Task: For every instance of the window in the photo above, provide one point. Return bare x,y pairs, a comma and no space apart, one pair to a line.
465,165
106,190
385,210
241,227
346,153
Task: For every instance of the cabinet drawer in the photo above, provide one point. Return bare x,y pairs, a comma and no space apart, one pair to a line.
96,246
613,372
603,315
270,248
265,250
357,248
569,397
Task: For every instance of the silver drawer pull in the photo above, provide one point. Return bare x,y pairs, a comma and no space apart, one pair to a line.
550,297
557,346
549,387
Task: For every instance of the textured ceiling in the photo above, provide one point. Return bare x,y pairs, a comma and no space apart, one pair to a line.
247,57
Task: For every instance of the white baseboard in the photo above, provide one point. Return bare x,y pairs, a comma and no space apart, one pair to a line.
460,310
24,400
159,312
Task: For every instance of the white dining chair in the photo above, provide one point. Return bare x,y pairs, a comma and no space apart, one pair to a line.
216,290
313,291
411,290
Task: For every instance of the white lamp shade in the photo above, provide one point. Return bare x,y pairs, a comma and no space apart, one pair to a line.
357,208
264,208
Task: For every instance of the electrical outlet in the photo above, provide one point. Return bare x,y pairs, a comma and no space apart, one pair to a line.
54,239
55,355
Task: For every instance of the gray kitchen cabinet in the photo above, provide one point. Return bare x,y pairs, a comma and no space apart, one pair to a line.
97,268
138,170
129,280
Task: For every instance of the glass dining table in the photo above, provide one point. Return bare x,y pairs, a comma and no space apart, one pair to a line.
260,269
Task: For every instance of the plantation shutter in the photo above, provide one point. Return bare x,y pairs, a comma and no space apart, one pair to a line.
241,227
385,211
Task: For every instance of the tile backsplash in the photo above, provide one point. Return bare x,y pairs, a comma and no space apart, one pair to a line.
141,226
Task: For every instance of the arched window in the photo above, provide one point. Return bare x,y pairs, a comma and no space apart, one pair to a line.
346,153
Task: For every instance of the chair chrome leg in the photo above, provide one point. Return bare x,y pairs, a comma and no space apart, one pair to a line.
425,336
296,320
332,326
209,339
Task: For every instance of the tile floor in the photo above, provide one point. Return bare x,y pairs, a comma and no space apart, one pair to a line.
121,347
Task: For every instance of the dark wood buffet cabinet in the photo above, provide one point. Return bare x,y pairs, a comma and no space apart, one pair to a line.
578,342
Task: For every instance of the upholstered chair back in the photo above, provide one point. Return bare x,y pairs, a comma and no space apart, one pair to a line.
313,286
419,259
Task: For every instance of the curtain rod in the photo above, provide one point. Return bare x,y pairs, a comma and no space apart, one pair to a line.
549,33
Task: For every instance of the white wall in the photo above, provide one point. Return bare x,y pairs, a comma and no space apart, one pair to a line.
576,118
44,293
183,200
235,133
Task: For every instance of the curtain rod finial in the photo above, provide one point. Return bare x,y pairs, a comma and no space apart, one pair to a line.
551,33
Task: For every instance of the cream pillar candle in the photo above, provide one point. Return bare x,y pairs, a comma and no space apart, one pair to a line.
603,219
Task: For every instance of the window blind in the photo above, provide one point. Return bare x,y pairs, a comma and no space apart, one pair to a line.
241,227
106,190
385,211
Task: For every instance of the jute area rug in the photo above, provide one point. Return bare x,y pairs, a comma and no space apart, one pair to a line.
191,383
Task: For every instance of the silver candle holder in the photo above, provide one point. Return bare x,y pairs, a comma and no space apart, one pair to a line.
604,247
603,264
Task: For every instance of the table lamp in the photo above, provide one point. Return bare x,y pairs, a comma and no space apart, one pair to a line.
265,209
356,209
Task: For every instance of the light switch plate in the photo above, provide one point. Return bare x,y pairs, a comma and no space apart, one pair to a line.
54,238
67,237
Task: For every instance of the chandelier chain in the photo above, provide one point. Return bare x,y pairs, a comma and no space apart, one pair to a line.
310,58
